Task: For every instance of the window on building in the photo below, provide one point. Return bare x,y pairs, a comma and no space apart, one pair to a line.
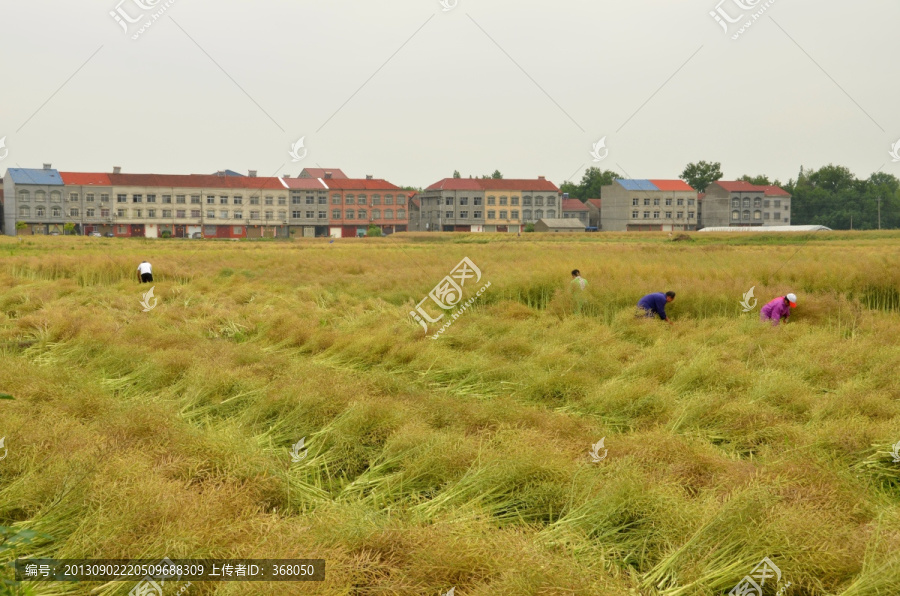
167,199
195,199
282,200
478,201
680,202
514,214
121,198
504,200
376,199
646,215
746,201
551,213
690,202
104,213
335,199
270,215
656,215
41,211
310,214
448,200
350,200
295,200
254,200
766,215
475,215
282,215
362,214
464,215
389,199
526,201
526,214
238,200
551,201
151,198
690,215
151,212
736,203
167,213
448,215
239,215
376,213
296,214
538,201
210,214
254,215
361,200
464,201
634,215
668,215
195,213
104,198
179,199
503,215
746,214
350,214
491,214
55,197
24,195
646,202
123,229
25,210
335,214
757,215
223,200
310,199
323,215
89,212
757,202
669,202
514,201
635,202
120,212
735,215
492,201
656,202
210,200
223,214
238,230
270,200
539,214
323,199
679,215
777,203
73,197
181,213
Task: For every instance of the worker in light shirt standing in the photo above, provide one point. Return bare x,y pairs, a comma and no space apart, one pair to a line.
145,272
778,310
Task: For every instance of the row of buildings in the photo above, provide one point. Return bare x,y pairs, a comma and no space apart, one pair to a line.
326,202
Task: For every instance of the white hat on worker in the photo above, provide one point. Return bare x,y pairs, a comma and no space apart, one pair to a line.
792,298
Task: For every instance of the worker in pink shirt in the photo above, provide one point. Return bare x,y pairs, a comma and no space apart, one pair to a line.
779,309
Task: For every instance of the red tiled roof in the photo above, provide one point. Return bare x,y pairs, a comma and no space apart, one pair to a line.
320,172
456,184
360,184
672,185
517,184
84,179
775,191
196,181
595,202
573,205
494,184
305,184
739,186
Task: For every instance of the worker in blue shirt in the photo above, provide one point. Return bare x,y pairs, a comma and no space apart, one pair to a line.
655,304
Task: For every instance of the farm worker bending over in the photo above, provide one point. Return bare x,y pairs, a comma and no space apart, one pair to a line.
778,309
145,272
655,304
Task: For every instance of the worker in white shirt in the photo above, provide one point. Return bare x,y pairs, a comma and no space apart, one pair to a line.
145,271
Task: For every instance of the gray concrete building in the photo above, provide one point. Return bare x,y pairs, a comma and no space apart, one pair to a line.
649,205
739,203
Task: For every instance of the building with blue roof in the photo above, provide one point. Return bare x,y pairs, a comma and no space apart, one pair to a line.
29,192
649,205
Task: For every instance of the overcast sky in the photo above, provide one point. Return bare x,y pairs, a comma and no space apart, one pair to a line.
407,91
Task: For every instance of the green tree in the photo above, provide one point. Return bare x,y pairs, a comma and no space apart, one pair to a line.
68,228
497,175
591,183
373,231
700,175
456,174
21,225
